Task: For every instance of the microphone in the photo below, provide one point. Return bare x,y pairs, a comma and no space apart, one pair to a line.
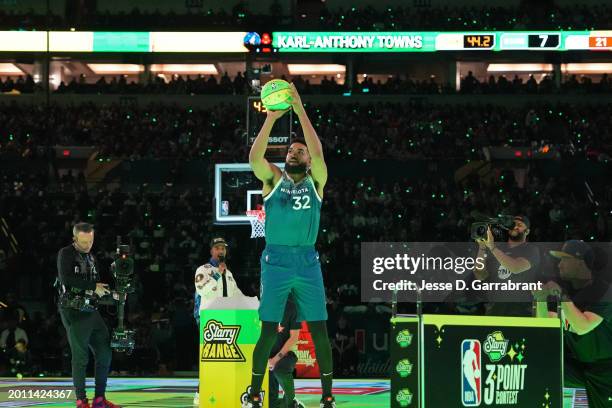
217,275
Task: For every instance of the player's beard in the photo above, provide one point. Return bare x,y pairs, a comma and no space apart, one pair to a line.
295,168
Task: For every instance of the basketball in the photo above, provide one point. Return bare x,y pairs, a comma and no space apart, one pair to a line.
275,95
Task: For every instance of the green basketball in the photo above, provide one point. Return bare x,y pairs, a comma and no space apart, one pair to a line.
275,95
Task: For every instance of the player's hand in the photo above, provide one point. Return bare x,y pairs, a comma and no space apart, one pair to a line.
102,289
275,114
296,101
222,268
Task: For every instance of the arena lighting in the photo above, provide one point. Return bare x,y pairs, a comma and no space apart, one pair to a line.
23,40
313,69
71,41
205,69
116,68
587,68
10,69
519,67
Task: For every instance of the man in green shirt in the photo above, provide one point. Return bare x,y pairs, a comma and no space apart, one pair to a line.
586,302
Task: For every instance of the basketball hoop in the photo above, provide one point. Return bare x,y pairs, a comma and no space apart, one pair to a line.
257,218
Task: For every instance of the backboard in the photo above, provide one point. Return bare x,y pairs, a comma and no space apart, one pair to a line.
236,191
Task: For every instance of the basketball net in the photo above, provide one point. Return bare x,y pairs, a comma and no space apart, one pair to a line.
257,218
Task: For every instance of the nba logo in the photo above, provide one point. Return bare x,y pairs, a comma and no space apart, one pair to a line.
471,395
224,207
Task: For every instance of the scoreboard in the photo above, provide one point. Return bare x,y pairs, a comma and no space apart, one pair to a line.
256,115
308,41
441,41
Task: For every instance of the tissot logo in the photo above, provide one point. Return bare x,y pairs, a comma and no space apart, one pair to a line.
219,343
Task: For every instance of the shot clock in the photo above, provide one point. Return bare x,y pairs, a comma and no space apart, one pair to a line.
256,115
478,41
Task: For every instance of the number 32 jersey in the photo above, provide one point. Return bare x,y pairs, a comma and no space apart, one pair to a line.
293,212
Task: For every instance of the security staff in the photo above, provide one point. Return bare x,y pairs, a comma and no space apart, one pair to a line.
80,284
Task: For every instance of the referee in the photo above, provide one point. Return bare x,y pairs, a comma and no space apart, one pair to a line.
79,279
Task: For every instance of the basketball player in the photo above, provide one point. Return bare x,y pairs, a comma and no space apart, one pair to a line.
290,263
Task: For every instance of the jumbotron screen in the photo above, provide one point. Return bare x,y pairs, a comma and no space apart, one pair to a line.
310,41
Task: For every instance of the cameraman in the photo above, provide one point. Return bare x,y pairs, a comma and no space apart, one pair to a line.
213,280
85,328
515,260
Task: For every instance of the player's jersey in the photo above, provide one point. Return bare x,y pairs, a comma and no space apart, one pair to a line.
293,212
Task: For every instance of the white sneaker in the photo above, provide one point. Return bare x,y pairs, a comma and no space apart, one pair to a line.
196,399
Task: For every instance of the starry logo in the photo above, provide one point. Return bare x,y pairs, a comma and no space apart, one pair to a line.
219,343
495,346
404,368
404,397
404,338
304,357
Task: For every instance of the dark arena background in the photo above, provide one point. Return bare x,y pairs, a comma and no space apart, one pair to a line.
138,117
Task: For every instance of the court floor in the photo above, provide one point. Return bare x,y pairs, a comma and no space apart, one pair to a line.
178,393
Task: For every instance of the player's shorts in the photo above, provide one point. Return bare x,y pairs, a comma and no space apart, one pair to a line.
286,269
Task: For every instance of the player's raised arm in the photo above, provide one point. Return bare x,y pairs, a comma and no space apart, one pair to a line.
263,170
318,168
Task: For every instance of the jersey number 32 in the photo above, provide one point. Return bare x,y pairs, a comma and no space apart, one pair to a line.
301,203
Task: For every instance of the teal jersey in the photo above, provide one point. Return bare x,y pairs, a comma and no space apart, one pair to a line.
293,212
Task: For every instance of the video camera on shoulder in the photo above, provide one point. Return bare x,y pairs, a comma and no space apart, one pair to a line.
500,226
